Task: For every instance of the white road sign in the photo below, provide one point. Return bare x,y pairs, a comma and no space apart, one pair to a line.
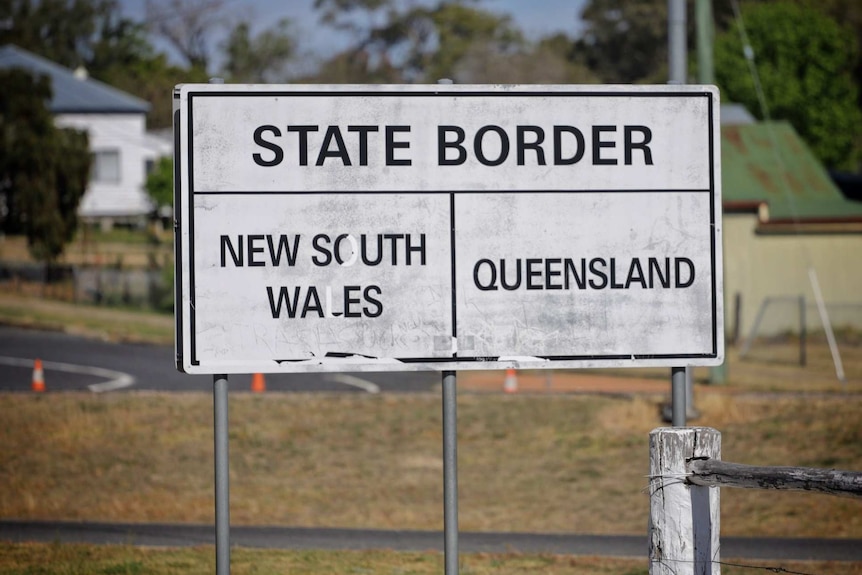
357,228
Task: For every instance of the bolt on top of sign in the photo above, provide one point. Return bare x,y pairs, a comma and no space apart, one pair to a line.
357,228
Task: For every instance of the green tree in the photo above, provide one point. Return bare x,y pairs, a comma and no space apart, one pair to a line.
43,169
626,41
439,38
261,58
160,182
422,43
72,33
63,31
849,14
125,59
188,25
355,66
153,79
805,63
546,62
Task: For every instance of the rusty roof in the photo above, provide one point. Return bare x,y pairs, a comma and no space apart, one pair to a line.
767,162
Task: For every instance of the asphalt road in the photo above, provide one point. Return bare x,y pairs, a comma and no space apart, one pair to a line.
151,367
149,534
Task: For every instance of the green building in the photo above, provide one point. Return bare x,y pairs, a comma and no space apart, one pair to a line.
784,221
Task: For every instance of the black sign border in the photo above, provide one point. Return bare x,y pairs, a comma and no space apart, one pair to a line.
454,358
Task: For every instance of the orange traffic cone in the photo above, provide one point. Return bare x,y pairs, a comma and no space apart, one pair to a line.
38,377
510,385
258,384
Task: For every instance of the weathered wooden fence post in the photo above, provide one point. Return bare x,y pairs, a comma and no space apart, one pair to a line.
684,519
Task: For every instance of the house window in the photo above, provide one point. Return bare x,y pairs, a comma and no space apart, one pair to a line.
106,167
149,166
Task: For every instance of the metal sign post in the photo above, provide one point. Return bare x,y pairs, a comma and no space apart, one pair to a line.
450,473
680,376
678,396
450,463
222,476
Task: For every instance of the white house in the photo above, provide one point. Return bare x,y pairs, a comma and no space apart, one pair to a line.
123,151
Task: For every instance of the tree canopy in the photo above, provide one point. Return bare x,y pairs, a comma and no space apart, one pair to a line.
419,43
805,63
160,183
625,41
73,33
69,32
262,58
188,25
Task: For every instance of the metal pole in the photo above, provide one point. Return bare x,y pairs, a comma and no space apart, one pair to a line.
222,479
676,42
737,317
803,332
827,325
705,36
676,49
706,75
677,382
450,474
450,462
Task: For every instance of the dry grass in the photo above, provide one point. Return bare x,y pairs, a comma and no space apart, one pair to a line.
527,463
87,320
774,367
126,249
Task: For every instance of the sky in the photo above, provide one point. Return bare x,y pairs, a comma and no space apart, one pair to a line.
535,18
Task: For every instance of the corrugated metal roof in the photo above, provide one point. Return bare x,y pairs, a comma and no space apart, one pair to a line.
767,162
72,94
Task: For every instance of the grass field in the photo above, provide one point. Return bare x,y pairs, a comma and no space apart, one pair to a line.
128,248
544,463
122,560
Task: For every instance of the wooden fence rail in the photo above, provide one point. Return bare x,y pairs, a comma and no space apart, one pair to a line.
685,468
715,473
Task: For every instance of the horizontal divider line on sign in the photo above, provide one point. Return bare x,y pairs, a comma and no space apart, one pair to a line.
436,192
448,93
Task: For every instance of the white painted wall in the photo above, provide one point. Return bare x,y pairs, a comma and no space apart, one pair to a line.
760,266
126,133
